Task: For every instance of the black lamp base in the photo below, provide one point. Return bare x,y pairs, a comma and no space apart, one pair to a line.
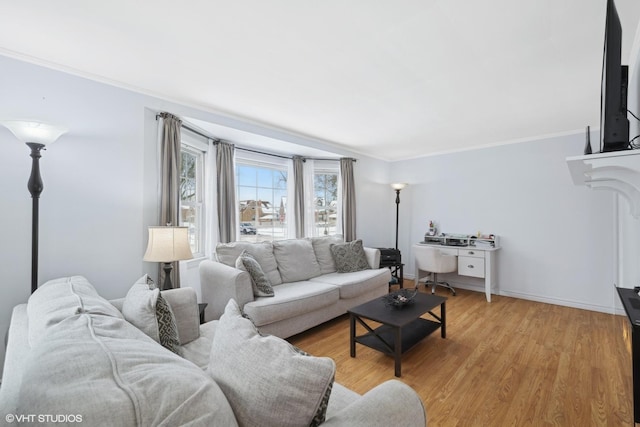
167,267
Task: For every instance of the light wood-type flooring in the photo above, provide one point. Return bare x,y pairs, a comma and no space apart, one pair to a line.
511,362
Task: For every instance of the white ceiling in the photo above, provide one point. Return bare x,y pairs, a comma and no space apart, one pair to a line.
391,79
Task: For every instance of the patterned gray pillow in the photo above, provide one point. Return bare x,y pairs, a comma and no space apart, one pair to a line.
349,256
259,281
145,308
167,327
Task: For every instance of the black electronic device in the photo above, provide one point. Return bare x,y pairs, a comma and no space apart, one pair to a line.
389,256
614,124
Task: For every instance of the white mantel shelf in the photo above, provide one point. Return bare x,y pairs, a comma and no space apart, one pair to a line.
618,171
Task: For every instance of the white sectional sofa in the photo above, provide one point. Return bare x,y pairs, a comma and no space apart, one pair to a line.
308,290
73,358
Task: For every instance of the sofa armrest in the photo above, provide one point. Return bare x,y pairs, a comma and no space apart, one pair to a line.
373,257
392,403
219,284
184,305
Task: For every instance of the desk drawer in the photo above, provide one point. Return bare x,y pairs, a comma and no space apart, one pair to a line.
470,266
471,253
448,251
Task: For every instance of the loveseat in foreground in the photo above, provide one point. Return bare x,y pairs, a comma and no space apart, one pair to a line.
76,358
308,287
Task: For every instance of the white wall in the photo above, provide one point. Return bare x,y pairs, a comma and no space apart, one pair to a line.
557,238
101,193
100,182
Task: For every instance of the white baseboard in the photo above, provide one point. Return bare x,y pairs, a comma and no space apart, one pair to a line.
538,298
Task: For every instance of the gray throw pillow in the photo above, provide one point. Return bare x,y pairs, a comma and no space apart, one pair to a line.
259,281
145,308
349,256
267,381
167,326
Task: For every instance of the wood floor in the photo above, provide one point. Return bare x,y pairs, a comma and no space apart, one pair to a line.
510,362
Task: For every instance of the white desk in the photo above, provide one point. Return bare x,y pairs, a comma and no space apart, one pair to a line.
474,262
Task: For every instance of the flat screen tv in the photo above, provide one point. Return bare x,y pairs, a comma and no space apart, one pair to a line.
614,124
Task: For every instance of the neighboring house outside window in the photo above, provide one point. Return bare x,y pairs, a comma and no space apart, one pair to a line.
262,198
192,193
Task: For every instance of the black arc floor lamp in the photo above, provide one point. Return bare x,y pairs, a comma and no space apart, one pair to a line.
398,187
36,135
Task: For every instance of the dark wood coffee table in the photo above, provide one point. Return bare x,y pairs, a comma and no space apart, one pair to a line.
401,328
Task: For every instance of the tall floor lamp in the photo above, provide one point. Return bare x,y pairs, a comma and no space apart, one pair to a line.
36,135
398,187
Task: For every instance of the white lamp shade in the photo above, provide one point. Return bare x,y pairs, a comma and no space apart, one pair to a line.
40,133
168,244
399,186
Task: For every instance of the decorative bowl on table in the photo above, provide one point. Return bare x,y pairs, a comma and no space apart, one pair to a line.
401,298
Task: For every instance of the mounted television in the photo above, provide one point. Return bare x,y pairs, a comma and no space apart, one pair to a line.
614,125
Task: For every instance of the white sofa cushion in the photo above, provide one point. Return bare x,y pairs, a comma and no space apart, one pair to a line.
227,253
290,300
111,373
266,380
323,252
61,298
354,284
147,310
296,260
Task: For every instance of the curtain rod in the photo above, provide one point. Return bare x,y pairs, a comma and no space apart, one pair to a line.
217,140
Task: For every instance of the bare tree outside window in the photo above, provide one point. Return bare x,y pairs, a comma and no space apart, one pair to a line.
191,195
326,203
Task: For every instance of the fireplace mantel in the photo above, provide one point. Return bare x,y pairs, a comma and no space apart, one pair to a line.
618,171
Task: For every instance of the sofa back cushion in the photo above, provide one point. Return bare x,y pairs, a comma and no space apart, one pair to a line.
90,361
228,253
321,247
61,298
109,372
296,260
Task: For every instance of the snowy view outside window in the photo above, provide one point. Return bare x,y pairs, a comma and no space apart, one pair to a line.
262,199
326,203
262,202
191,196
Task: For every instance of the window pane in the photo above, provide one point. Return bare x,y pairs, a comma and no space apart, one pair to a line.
262,192
188,176
246,175
190,217
191,195
326,203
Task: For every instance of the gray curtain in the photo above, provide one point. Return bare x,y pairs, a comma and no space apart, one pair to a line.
348,199
226,192
170,182
298,195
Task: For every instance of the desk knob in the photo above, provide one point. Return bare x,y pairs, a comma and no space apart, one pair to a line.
470,266
471,252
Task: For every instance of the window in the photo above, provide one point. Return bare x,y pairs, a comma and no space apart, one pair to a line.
262,200
191,196
325,182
